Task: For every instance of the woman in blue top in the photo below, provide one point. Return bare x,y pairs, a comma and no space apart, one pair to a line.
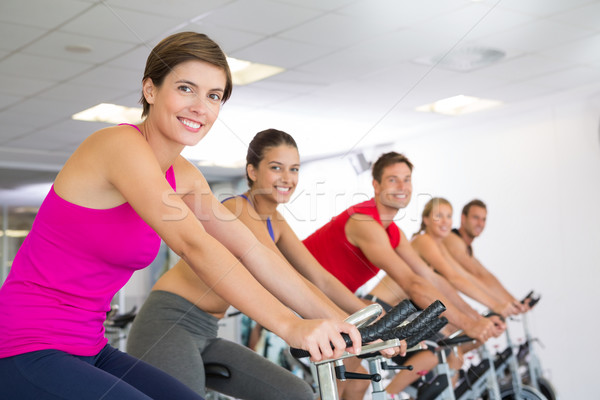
272,166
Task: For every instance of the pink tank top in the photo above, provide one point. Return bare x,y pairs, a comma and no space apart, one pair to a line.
64,276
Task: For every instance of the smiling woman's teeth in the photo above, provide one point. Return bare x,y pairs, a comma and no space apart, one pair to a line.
282,189
191,124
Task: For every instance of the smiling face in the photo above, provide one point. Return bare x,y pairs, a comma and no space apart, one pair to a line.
439,221
395,188
276,176
187,103
474,222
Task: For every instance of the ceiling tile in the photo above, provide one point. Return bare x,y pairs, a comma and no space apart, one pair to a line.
539,8
7,99
319,4
584,50
351,63
255,96
19,35
29,66
64,133
228,39
80,95
299,78
568,78
535,36
111,77
113,23
523,67
281,52
41,14
474,21
10,130
134,59
266,17
588,16
335,30
171,8
36,141
54,45
46,111
24,87
400,13
131,99
515,92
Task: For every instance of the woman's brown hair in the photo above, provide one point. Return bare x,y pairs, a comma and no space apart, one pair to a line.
181,47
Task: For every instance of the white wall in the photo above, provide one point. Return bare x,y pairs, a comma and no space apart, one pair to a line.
539,173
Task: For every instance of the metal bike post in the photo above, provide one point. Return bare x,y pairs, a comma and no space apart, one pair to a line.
443,368
327,381
533,364
514,369
492,382
378,389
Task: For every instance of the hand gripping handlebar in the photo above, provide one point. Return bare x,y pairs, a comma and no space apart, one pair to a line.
384,328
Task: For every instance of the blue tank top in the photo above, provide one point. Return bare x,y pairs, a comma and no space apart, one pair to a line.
269,225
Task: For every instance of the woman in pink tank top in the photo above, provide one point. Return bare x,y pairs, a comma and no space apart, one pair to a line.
104,217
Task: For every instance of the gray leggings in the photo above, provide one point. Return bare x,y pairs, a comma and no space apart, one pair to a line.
172,334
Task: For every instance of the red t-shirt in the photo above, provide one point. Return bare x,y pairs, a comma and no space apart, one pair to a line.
337,255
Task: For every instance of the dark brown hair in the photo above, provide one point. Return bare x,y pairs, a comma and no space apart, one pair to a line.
476,203
181,47
262,141
388,159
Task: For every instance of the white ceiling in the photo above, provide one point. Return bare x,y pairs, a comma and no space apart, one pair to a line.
351,81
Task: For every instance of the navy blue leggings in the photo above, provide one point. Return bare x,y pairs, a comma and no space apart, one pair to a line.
110,375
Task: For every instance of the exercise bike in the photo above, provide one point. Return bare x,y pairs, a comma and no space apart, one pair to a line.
388,329
531,385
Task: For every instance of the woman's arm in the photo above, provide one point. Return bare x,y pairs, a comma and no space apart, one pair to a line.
305,263
130,165
458,249
431,253
276,274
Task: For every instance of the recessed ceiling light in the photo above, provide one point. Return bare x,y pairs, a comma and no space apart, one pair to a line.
15,233
245,72
110,113
458,105
222,163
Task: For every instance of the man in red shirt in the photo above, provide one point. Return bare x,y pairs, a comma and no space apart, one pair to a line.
363,239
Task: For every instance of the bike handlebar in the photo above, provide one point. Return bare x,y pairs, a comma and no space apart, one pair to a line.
532,300
433,328
382,328
449,342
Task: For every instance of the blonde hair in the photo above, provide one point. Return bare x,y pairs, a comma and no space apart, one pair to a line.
436,201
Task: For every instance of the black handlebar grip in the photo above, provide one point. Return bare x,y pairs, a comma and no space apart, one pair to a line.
418,324
429,330
534,301
494,314
388,322
299,353
527,297
455,341
375,331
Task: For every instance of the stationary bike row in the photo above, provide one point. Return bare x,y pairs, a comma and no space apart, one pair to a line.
531,384
116,326
494,378
391,329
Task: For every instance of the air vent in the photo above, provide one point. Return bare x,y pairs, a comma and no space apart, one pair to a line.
464,59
